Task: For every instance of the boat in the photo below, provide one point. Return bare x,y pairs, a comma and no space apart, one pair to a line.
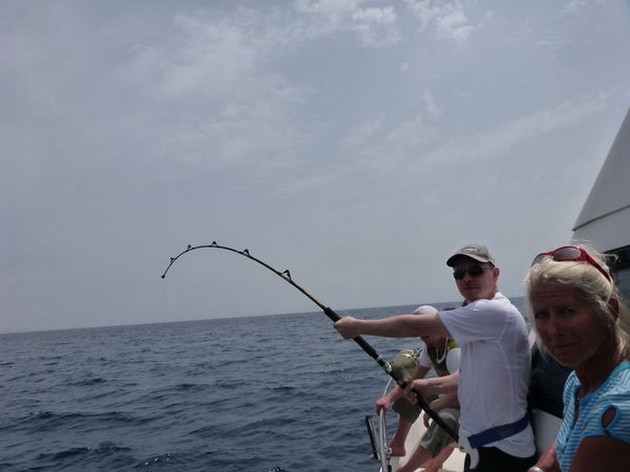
605,217
604,222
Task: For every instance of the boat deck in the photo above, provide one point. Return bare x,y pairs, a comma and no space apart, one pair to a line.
455,462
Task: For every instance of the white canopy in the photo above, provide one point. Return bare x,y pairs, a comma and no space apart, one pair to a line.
605,217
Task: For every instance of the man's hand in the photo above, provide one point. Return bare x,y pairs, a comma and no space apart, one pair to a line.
348,327
384,403
413,389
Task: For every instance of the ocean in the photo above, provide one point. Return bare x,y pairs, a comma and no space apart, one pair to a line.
280,393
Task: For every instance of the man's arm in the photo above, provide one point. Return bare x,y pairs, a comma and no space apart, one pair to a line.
401,326
445,401
433,386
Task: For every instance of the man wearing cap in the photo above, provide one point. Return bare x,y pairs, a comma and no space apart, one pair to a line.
495,362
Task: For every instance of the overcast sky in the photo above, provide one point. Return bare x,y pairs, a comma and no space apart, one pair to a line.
357,143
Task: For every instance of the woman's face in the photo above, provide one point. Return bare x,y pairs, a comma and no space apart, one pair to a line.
568,325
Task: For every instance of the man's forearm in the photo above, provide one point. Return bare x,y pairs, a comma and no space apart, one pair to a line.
401,326
441,385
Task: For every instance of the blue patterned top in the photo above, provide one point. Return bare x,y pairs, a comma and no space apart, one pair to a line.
613,393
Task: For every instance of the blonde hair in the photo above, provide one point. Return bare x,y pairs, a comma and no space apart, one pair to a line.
591,284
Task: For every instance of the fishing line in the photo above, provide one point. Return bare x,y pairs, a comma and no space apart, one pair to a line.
286,276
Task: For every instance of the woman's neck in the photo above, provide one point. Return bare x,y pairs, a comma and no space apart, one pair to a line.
594,372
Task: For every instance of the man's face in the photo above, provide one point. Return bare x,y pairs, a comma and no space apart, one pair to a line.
478,285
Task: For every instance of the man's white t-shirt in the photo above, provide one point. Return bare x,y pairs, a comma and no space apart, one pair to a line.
494,372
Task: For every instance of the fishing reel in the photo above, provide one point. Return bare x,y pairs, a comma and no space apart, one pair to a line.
405,365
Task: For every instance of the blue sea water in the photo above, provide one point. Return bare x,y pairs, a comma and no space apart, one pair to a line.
276,393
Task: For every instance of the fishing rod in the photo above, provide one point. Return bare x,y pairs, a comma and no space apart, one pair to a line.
286,276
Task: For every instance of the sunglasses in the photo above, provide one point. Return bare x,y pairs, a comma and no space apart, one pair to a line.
473,271
571,254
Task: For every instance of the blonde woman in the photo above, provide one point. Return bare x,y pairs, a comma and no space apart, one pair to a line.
582,322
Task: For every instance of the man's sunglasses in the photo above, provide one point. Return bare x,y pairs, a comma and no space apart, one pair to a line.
474,271
571,254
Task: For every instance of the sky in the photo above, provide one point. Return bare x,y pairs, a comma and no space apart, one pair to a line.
358,143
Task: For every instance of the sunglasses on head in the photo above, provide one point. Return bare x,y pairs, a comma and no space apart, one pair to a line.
571,254
474,271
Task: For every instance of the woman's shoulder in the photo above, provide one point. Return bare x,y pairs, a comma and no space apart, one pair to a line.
618,383
615,391
614,398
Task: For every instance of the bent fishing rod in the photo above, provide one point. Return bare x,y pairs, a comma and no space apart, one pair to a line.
286,276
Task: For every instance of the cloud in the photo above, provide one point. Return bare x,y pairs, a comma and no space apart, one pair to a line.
210,90
414,145
498,140
430,104
203,58
373,26
449,20
576,6
454,25
131,130
379,150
